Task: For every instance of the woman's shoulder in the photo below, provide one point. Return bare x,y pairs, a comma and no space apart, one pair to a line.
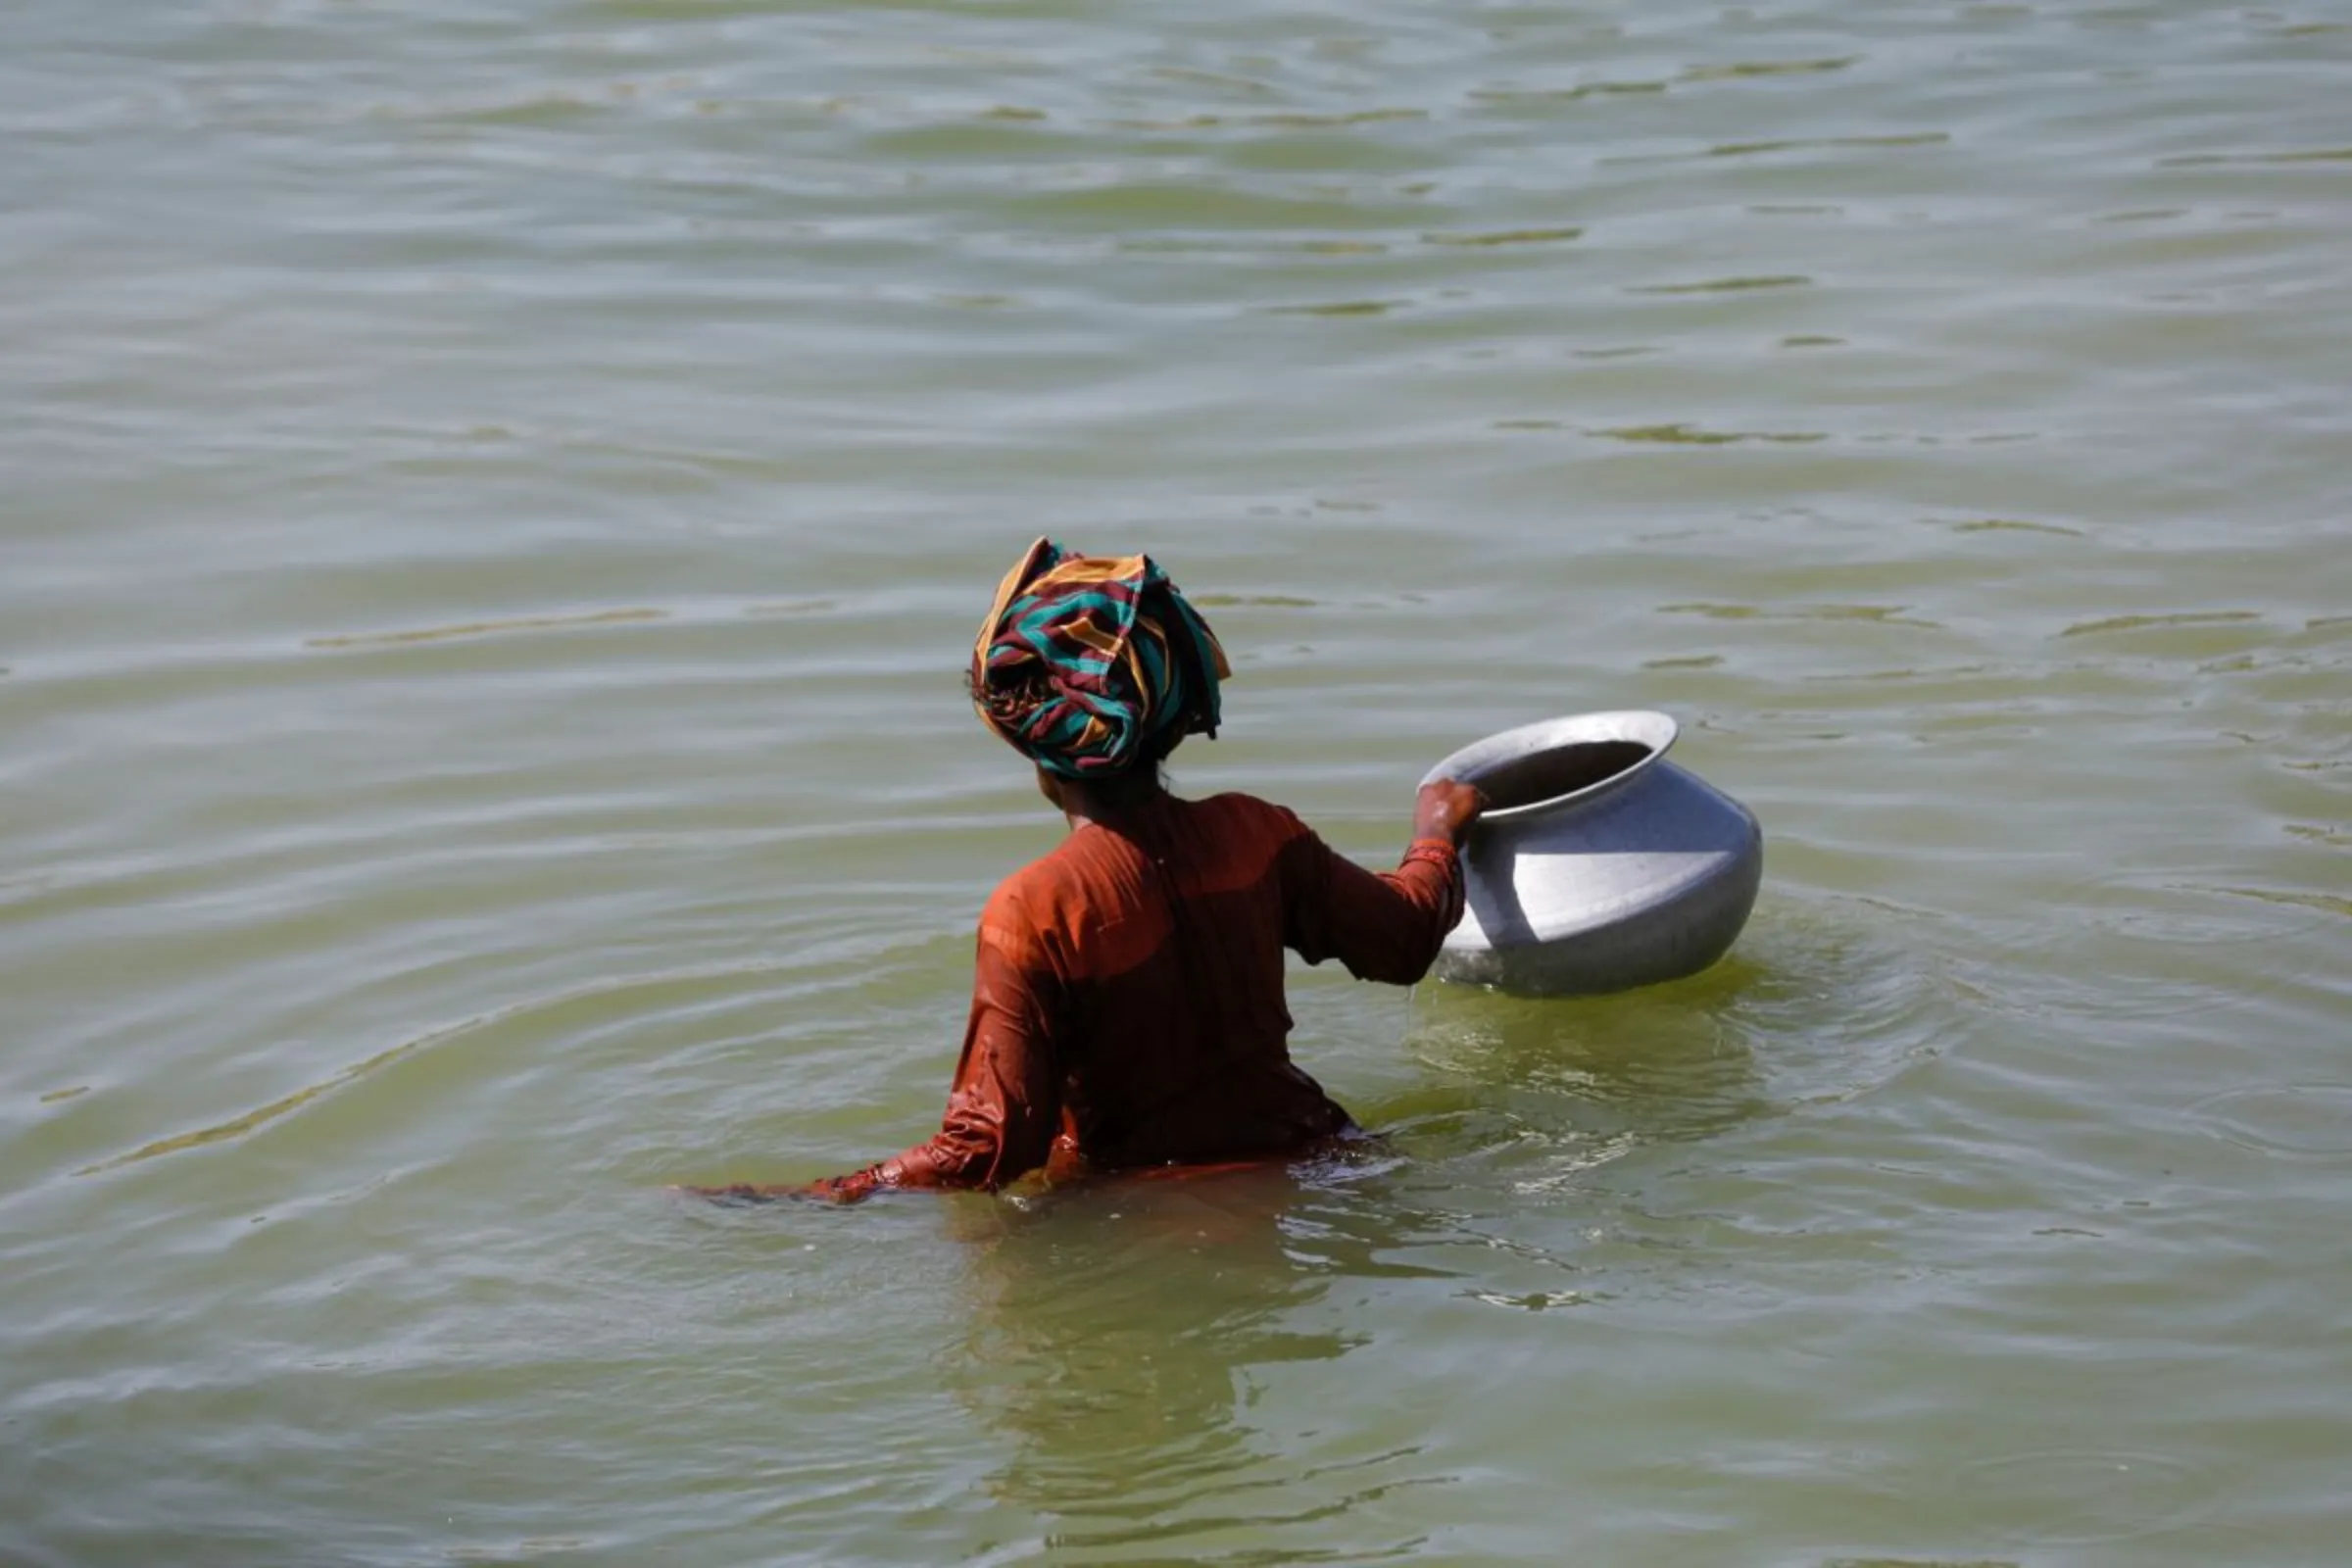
1032,910
1038,883
1083,866
1246,830
1235,809
1071,873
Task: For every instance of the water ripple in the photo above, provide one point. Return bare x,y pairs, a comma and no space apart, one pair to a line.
496,501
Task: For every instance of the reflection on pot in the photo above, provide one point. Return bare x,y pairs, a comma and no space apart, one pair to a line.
1599,866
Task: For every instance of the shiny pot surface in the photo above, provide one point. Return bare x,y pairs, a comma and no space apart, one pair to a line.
1599,866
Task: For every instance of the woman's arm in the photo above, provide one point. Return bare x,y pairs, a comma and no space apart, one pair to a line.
1005,1101
1383,925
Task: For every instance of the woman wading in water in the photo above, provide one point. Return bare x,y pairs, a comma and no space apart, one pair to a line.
1127,999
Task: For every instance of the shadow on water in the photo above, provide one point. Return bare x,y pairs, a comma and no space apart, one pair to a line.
1598,1074
1122,1332
1818,1003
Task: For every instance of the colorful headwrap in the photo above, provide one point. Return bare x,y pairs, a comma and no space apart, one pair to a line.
1090,663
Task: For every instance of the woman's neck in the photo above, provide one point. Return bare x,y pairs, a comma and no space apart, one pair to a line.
1110,805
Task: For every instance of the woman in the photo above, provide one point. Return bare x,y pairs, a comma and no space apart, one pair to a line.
1127,1005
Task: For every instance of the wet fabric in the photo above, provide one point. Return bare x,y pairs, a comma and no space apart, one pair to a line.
1127,1000
1092,665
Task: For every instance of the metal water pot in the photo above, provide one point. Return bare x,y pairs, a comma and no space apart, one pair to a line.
1598,866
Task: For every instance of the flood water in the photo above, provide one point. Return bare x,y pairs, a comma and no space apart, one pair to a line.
494,502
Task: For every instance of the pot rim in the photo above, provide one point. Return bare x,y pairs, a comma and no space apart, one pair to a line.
1640,725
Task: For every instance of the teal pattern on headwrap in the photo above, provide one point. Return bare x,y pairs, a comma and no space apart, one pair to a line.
1090,664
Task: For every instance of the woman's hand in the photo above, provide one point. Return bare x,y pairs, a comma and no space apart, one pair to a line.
830,1190
1446,808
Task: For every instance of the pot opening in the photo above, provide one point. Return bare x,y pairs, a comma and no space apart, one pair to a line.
1562,771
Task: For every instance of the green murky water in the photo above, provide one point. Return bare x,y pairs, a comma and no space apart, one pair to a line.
495,502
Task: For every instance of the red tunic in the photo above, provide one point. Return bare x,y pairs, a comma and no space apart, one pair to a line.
1127,1002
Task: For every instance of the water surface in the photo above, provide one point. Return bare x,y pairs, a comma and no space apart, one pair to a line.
496,505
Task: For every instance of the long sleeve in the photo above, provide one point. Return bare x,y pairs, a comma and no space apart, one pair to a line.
1005,1104
1384,925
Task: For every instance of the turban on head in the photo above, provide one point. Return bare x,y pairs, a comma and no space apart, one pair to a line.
1092,665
